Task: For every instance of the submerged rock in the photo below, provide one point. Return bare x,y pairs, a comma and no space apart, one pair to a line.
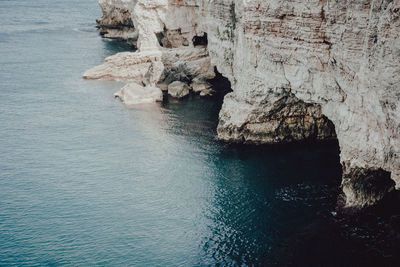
178,89
134,94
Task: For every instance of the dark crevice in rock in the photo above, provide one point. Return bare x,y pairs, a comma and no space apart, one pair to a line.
200,40
220,83
160,37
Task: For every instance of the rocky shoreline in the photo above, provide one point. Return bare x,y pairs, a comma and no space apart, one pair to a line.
298,73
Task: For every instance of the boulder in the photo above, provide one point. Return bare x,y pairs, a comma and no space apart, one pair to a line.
134,94
178,89
199,86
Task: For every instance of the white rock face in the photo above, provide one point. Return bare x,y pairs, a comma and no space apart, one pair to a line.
336,60
178,89
134,94
342,56
125,66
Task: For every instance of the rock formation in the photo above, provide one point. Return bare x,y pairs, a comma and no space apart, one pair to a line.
169,50
116,22
298,72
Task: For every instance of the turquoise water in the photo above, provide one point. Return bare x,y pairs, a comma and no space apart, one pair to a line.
85,181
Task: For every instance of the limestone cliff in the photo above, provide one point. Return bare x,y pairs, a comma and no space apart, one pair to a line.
117,22
298,71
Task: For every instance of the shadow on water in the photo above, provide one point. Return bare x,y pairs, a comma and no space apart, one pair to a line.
368,238
275,205
272,193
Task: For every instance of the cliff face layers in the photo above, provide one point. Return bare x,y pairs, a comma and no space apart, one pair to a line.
298,71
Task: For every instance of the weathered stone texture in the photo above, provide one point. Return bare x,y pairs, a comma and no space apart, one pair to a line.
296,68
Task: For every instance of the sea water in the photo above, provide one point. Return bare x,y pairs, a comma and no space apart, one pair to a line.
85,181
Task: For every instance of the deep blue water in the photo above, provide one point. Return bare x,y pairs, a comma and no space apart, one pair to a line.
85,181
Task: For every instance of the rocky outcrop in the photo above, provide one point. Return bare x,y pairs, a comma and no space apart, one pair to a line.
298,72
117,22
178,50
125,66
285,120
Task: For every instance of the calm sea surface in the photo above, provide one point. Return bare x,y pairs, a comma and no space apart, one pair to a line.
85,181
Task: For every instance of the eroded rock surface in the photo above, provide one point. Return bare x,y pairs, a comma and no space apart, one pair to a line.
117,22
296,71
283,120
365,187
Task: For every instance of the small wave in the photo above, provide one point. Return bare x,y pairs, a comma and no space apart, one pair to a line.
86,29
41,23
